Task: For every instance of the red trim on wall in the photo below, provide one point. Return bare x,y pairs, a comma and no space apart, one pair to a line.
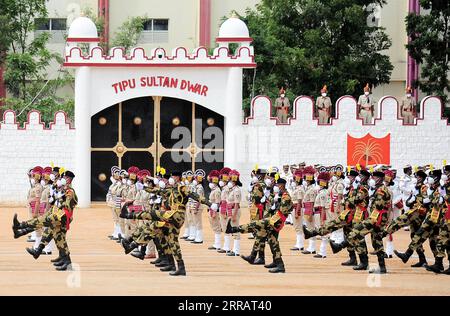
205,23
83,39
126,65
27,123
234,39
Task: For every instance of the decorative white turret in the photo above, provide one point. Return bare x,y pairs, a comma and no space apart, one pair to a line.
82,30
234,30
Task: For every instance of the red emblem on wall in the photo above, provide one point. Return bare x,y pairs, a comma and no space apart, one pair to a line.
368,150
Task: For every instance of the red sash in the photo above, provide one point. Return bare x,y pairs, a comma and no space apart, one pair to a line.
135,208
223,207
33,207
230,207
69,215
380,217
42,208
261,210
333,201
308,207
350,216
283,219
399,204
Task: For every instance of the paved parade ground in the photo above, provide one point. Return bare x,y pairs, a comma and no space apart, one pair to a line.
103,269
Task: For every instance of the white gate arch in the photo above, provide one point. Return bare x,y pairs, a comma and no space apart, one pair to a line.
213,81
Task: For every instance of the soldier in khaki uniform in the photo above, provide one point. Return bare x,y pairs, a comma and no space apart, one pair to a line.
34,200
366,104
322,210
196,207
214,215
408,107
323,106
298,192
110,200
308,206
282,105
130,197
234,209
223,184
44,207
191,207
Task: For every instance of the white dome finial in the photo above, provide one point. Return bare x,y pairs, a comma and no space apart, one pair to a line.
234,28
82,27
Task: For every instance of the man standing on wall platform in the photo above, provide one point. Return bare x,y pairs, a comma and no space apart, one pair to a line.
323,106
366,104
282,105
408,107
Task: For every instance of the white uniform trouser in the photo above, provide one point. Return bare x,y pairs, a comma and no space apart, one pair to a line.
389,239
190,222
198,224
366,115
223,218
313,225
298,226
214,221
323,117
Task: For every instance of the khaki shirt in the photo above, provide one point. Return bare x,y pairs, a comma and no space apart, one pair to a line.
35,193
323,103
224,193
215,195
323,199
408,105
279,102
366,102
298,193
310,194
235,195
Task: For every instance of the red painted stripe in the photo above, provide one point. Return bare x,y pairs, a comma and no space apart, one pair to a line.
234,39
205,23
106,65
83,39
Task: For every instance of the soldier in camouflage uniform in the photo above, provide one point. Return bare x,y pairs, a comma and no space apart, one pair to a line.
374,225
414,216
269,228
430,227
443,241
345,217
57,223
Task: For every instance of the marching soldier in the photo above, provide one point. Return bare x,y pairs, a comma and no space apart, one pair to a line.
366,104
282,105
269,228
408,107
45,205
233,208
337,188
223,184
214,199
323,106
373,225
298,192
34,197
443,241
191,207
433,202
308,206
110,200
322,210
129,197
196,208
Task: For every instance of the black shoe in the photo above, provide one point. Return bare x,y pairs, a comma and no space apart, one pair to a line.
222,251
270,265
129,246
66,264
422,261
382,265
163,262
46,253
140,255
230,229
437,267
213,248
307,252
156,261
259,261
22,232
180,271
352,261
184,237
279,268
250,259
404,256
57,259
196,242
307,233
319,256
363,263
36,252
16,223
232,254
170,267
335,247
447,271
297,249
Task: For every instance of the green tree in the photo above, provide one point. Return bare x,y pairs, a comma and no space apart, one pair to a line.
304,44
127,35
429,46
27,61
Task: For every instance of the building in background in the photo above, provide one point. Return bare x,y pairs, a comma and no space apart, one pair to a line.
192,23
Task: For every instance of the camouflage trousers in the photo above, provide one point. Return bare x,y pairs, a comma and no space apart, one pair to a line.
57,233
428,230
264,232
360,230
337,224
146,232
411,218
443,240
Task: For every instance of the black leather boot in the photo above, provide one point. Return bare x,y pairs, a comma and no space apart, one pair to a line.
36,252
279,268
230,229
250,259
129,245
404,256
17,224
363,263
352,261
335,247
437,267
309,234
163,262
67,264
260,259
22,232
57,259
170,266
422,260
181,269
381,263
141,253
271,265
